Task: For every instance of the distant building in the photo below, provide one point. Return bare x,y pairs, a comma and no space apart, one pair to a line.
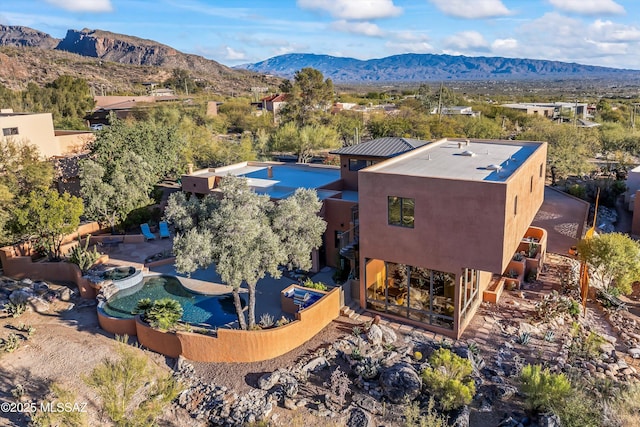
62,147
552,110
460,111
274,104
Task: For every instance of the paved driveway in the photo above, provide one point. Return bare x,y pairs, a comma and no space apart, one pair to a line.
564,217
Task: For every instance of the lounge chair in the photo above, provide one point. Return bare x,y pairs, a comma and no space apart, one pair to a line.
148,235
164,229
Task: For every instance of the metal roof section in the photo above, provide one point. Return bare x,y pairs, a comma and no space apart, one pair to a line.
382,147
477,160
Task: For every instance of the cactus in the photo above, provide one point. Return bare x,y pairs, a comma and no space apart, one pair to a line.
524,338
82,256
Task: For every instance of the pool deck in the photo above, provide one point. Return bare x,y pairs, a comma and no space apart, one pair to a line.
206,281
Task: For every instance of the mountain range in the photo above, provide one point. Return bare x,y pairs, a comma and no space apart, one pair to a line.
413,67
113,62
117,62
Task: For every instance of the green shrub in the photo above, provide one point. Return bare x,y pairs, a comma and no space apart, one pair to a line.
542,389
163,313
578,191
578,410
429,418
449,379
10,344
60,418
15,309
314,285
133,391
142,306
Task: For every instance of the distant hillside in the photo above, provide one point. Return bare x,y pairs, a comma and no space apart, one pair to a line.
110,62
25,36
424,67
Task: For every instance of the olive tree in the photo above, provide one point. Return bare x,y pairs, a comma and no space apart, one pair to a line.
247,236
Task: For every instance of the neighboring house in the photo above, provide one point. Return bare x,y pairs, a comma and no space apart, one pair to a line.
423,228
552,110
274,104
121,106
63,147
37,129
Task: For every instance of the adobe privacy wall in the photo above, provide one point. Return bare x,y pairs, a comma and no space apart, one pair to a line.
233,345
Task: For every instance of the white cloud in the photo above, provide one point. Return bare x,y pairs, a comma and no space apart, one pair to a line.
363,28
353,10
588,7
504,46
234,55
410,36
466,40
408,47
611,32
83,5
480,9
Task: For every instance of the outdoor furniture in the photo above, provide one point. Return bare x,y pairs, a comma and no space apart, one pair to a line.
146,232
164,229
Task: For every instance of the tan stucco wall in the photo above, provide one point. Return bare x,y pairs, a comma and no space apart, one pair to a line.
232,345
34,129
337,214
197,184
117,326
73,141
527,184
350,177
453,219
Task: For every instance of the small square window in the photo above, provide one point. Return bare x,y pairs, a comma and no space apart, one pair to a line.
401,211
9,131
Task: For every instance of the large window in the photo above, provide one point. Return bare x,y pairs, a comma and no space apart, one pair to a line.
469,292
357,164
9,131
401,210
416,293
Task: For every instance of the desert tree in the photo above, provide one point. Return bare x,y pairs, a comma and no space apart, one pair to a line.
110,196
614,258
45,216
247,236
309,97
304,141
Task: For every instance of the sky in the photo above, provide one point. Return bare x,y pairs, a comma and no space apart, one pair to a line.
232,32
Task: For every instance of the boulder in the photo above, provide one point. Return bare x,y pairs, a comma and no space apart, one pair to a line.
65,294
316,364
19,296
368,403
400,383
634,352
549,420
358,418
460,417
267,381
374,335
388,335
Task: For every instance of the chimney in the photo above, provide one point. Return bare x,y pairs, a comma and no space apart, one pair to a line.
466,142
269,172
190,168
459,144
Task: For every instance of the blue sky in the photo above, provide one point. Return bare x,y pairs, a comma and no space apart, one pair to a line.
596,32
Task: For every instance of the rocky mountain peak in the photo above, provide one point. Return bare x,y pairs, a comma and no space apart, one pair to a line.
13,35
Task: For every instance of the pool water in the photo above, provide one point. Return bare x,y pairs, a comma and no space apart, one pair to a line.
212,310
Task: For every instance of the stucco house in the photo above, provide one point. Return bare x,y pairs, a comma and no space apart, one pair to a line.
424,229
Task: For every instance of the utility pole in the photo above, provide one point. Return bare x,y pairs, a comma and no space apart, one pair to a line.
440,102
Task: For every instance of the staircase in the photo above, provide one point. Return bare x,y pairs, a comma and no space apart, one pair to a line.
352,311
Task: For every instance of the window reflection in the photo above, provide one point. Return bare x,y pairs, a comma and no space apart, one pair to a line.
418,293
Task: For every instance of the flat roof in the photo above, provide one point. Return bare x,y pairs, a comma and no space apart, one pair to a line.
470,160
283,179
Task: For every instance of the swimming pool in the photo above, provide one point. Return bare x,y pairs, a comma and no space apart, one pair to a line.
212,310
